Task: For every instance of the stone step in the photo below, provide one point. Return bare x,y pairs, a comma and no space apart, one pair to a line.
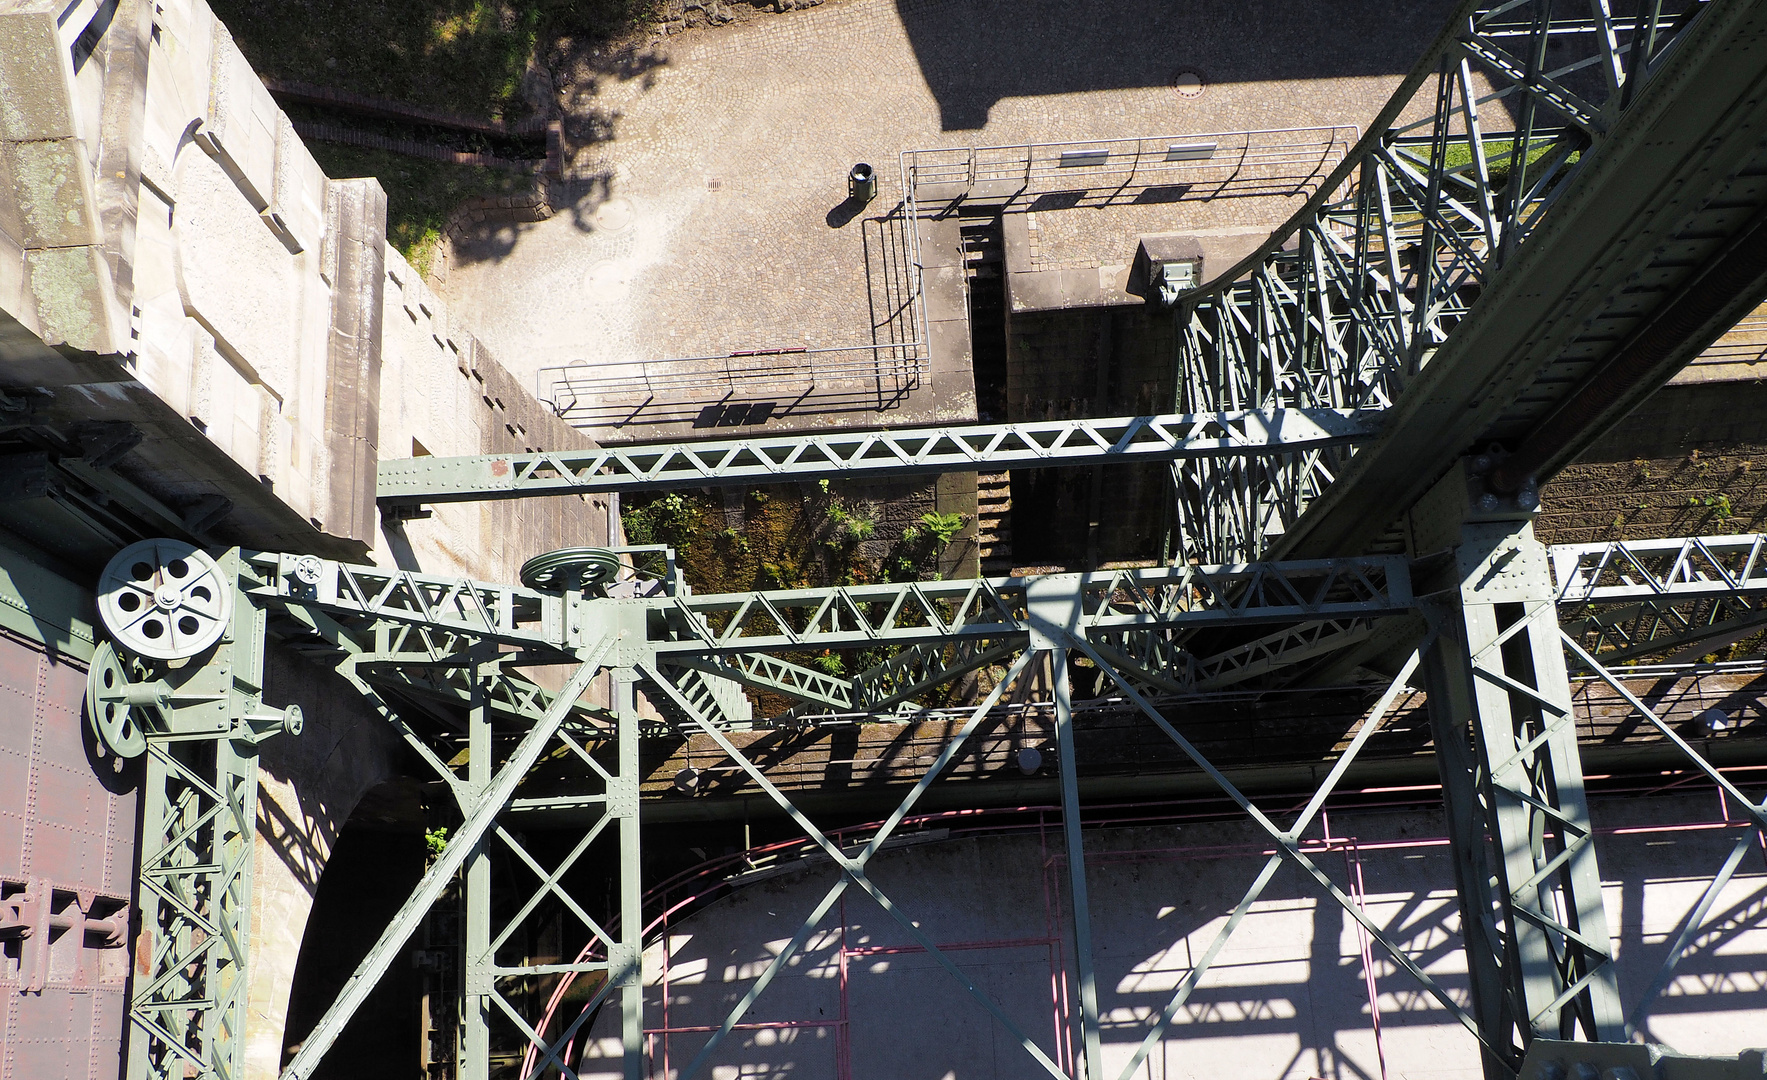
994,522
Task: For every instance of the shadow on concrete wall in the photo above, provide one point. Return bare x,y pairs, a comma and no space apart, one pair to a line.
973,54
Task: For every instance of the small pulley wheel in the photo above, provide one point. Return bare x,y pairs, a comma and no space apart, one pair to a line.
108,711
164,600
570,568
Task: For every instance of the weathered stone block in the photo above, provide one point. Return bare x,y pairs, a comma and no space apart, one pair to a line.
75,304
35,75
15,298
241,124
52,188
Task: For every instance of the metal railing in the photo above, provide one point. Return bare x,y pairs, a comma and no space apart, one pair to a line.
1278,161
592,394
880,375
875,376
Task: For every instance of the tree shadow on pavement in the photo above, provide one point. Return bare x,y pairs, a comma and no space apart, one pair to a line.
974,53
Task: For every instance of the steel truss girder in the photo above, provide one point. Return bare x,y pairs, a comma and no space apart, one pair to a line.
771,673
1682,597
1504,728
1546,937
432,604
1623,599
902,677
438,617
1671,569
911,613
861,454
1349,303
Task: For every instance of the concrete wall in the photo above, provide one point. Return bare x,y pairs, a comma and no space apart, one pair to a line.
173,258
1287,997
1692,461
443,393
308,788
191,270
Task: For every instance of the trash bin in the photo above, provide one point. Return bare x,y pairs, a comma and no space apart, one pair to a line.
862,183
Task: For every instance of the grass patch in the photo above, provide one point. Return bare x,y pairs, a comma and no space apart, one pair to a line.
469,57
420,194
1458,153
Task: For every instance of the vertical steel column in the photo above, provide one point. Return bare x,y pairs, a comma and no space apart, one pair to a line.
188,999
188,993
1535,929
1092,1060
626,960
477,979
1053,615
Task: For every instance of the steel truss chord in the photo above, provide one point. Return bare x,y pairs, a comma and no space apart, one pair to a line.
1348,303
862,454
433,605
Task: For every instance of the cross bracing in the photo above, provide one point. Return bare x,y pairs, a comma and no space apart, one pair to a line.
854,454
1507,266
425,649
1510,267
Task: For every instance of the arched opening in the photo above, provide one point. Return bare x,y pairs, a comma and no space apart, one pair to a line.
377,860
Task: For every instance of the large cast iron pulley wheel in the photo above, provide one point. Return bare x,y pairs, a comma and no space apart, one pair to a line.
115,688
571,568
164,600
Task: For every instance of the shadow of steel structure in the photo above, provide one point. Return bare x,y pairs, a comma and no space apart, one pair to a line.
1507,748
1522,265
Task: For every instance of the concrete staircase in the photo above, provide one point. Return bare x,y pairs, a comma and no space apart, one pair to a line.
994,522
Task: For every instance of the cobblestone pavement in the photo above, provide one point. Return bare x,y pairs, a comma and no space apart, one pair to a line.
715,224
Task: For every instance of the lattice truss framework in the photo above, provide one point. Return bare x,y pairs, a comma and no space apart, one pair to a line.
1673,600
1349,301
445,661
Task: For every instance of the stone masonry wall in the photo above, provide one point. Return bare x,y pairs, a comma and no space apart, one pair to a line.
1691,461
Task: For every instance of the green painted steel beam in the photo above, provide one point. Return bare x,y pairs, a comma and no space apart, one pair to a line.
1649,251
849,454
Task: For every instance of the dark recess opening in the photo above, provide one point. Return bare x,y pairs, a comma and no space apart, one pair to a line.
372,870
985,265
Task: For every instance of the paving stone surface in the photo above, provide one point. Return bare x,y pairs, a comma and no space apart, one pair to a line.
711,216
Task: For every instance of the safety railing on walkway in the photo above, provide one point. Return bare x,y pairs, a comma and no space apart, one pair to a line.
749,386
593,395
1279,161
